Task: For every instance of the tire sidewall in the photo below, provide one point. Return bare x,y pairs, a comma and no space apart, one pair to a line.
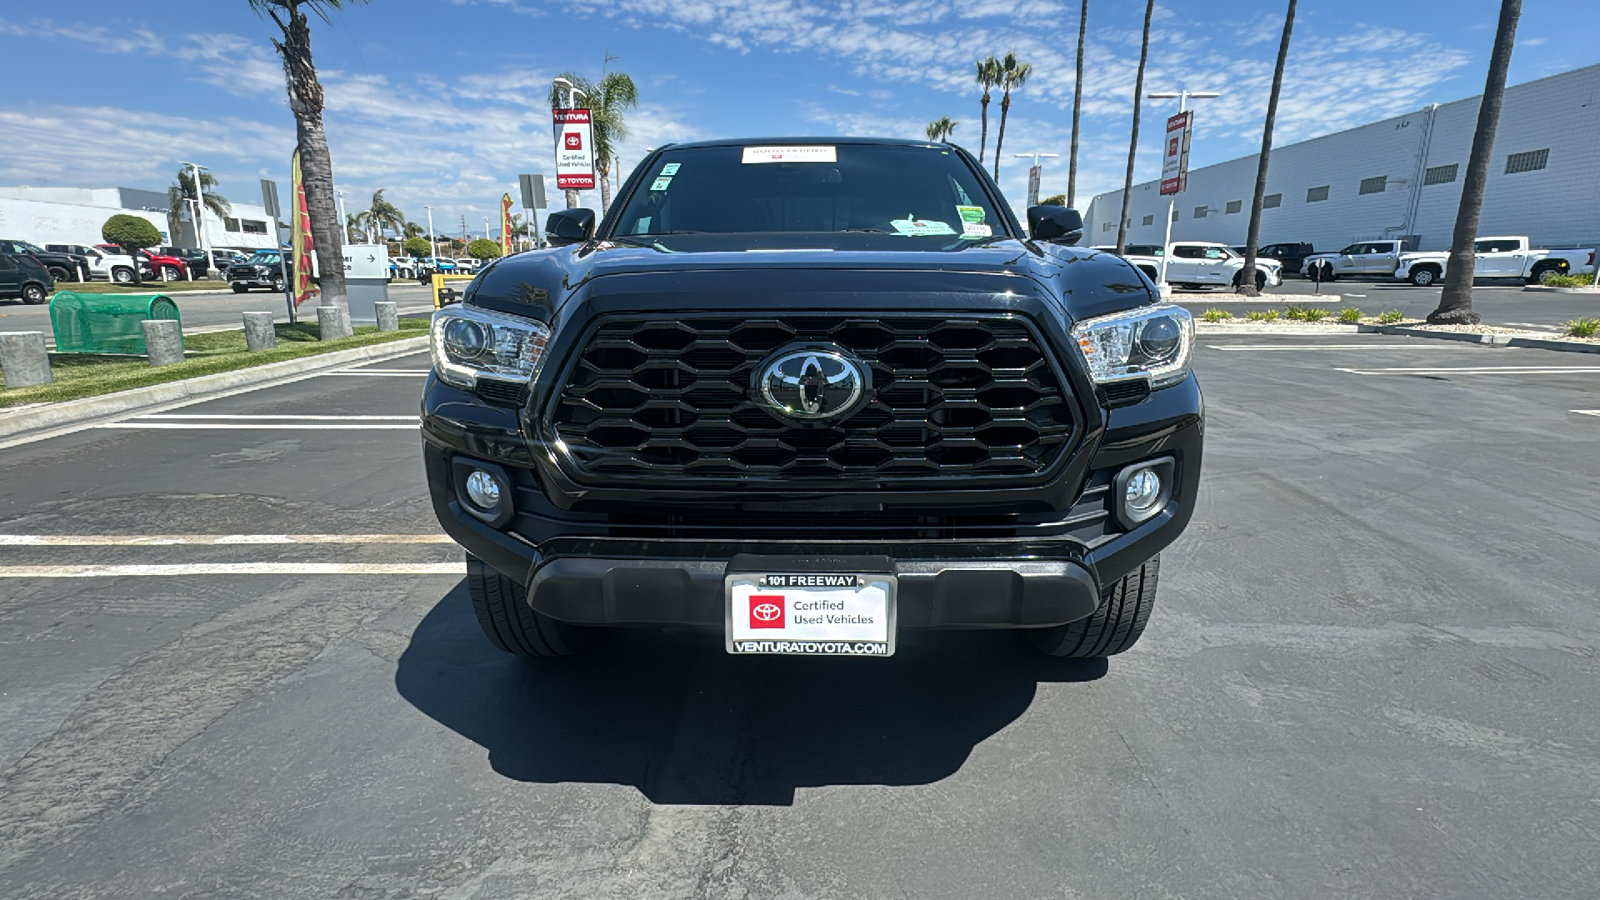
33,294
1423,277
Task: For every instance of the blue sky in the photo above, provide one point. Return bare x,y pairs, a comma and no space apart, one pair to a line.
442,102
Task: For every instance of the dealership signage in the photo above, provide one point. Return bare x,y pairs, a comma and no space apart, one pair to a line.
574,150
1175,156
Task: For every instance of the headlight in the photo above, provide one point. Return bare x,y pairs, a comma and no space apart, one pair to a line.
1153,343
470,343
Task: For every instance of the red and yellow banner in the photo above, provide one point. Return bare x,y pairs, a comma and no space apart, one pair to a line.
505,225
300,244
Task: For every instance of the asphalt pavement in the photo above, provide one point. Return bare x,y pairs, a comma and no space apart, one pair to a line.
1370,673
1498,303
213,310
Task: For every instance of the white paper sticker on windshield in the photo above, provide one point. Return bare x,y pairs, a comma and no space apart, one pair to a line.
660,184
670,169
975,230
914,227
789,155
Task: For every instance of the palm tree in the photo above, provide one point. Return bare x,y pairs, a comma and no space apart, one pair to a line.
1077,101
384,214
306,101
356,227
987,76
412,230
1455,301
1013,75
1247,275
180,197
941,128
1133,142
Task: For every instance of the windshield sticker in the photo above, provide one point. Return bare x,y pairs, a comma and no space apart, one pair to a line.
789,155
660,184
913,227
669,169
973,214
976,230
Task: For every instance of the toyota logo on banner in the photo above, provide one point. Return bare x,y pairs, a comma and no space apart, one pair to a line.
766,610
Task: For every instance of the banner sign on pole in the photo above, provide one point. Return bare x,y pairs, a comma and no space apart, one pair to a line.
1033,186
1175,157
505,225
300,244
574,150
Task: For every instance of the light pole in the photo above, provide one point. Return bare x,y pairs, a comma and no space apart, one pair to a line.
1033,187
433,249
344,220
199,224
1172,205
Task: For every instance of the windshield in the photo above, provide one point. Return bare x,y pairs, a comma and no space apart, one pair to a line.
265,258
924,195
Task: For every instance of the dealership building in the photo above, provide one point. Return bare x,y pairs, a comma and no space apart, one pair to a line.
64,215
1398,178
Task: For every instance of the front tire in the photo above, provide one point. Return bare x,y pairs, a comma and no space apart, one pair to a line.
240,288
511,624
122,275
1114,627
1424,276
168,273
1261,280
1538,274
277,284
60,274
33,294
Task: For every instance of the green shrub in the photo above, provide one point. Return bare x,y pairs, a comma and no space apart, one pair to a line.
1391,317
1350,315
1263,315
483,248
130,232
418,247
1555,279
1301,313
1583,327
1216,315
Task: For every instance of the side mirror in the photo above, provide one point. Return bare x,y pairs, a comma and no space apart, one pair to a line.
569,226
1057,224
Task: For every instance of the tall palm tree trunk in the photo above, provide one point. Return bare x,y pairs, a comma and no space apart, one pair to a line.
1000,136
316,165
605,185
983,128
1077,101
1247,276
1133,142
1455,301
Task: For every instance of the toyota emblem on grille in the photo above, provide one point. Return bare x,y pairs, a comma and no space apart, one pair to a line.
812,383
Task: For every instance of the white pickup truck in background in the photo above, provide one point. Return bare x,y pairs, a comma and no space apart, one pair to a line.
1194,264
1498,257
1367,258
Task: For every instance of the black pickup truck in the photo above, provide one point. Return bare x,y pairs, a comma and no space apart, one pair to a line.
812,393
61,266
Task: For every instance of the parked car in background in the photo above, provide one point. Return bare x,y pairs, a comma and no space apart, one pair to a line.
467,266
1291,255
1193,264
155,265
61,266
195,260
222,259
265,268
1499,257
1364,258
404,267
23,276
104,265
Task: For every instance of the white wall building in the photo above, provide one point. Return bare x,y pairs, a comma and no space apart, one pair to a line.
1400,177
74,216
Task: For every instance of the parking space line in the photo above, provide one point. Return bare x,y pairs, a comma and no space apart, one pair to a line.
286,418
380,373
235,568
212,540
1283,347
1586,412
258,426
1473,370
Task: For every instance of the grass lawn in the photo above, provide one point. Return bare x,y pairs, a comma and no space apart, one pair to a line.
87,374
149,287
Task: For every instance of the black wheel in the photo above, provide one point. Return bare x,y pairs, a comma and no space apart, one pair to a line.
1326,272
122,275
277,283
33,294
1538,274
511,624
1114,627
1151,272
1424,276
239,288
1261,280
168,273
60,274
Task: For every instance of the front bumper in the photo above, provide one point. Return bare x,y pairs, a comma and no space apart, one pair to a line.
607,567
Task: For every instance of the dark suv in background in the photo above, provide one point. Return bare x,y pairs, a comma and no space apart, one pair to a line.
61,266
812,393
22,276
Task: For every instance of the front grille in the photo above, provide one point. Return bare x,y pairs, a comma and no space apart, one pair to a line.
950,398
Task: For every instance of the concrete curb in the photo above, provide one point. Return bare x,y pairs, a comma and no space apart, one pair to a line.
1464,336
1553,344
1540,289
71,413
1213,328
1288,299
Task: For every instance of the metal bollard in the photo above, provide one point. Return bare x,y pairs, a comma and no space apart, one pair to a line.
388,315
332,323
163,341
258,332
23,358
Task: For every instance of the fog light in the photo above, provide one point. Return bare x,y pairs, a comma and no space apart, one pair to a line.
1142,493
483,490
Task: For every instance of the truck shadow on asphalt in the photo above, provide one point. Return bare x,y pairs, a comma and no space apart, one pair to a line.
675,716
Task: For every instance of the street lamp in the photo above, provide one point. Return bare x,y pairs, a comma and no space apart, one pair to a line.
1172,204
433,249
199,224
1033,187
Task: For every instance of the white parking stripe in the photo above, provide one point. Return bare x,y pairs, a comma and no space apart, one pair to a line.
1475,370
384,373
230,417
1281,347
242,426
1586,412
237,568
1534,325
218,540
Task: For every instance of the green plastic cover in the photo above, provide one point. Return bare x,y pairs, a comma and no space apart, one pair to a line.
106,323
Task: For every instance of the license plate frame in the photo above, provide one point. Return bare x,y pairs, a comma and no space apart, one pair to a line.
812,639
